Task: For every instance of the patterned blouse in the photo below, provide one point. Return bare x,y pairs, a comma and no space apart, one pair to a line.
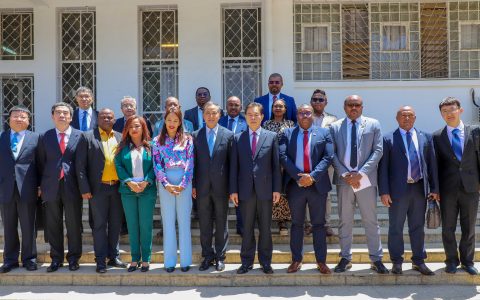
171,155
278,127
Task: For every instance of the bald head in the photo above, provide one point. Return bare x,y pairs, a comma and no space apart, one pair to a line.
171,102
353,106
406,117
234,106
106,119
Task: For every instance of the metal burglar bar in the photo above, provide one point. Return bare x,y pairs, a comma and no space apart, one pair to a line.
78,59
16,90
159,60
242,62
16,35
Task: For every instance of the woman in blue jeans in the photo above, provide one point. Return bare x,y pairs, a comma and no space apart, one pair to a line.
173,164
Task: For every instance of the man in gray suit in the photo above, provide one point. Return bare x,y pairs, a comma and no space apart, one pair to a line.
358,148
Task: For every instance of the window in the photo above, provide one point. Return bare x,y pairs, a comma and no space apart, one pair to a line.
316,38
77,51
242,61
470,36
16,35
394,38
16,90
159,61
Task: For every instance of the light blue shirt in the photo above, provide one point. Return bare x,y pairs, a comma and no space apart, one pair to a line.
215,130
235,122
413,132
200,117
299,158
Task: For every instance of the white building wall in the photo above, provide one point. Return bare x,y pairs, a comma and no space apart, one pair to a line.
200,54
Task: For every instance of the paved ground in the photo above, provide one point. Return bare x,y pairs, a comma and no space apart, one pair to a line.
181,293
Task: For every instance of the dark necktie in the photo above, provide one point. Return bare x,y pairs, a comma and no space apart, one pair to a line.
413,157
254,143
62,149
353,146
230,124
84,122
456,144
306,153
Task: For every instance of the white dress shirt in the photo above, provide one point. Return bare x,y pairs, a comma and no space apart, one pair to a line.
413,133
67,132
461,134
20,138
137,164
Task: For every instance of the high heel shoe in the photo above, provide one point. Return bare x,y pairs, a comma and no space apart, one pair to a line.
134,267
145,268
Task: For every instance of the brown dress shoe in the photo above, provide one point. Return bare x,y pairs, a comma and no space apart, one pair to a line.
323,268
294,267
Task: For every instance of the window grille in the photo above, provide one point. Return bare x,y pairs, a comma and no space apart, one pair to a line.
16,90
16,35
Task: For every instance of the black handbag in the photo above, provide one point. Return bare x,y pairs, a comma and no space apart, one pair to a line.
433,218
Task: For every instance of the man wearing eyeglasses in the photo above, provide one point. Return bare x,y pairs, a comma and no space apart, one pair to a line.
358,147
128,105
195,114
275,84
84,117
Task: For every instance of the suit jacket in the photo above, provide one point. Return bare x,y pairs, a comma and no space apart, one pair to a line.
291,113
393,167
76,120
91,161
192,116
120,124
52,161
187,127
321,155
370,147
328,119
123,165
241,123
260,174
24,168
211,173
452,174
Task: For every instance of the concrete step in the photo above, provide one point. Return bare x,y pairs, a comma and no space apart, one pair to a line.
359,275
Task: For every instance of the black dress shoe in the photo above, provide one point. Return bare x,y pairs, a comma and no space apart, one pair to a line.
8,267
379,267
73,266
185,269
397,269
134,267
145,268
170,269
219,265
422,268
205,265
30,266
54,267
451,268
101,269
470,270
115,262
343,265
240,232
244,269
267,269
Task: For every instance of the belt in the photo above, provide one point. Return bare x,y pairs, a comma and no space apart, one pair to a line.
411,181
110,182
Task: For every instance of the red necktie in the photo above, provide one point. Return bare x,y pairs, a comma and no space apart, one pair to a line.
306,153
62,149
254,143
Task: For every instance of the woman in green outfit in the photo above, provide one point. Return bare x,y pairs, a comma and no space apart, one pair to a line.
138,190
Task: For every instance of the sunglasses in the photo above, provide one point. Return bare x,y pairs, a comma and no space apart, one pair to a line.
352,105
306,114
274,82
318,100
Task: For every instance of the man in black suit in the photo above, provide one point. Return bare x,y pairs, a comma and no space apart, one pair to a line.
128,106
195,114
59,187
255,184
18,193
306,152
457,149
98,182
212,145
407,175
84,117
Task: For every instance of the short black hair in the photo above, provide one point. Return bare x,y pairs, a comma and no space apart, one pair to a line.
319,91
254,104
21,108
202,87
70,108
449,101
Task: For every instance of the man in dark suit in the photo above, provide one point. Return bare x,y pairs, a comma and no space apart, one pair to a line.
306,152
98,182
212,145
59,187
195,114
128,105
234,121
457,149
255,184
407,175
275,84
84,117
18,193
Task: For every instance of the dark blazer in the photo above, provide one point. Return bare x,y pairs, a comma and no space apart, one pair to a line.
52,161
211,174
291,107
393,167
453,173
241,123
260,174
120,124
321,155
91,161
24,170
76,120
192,115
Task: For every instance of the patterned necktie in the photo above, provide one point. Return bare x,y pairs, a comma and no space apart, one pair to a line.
62,149
413,157
14,142
306,153
211,142
230,124
353,146
254,143
456,144
84,122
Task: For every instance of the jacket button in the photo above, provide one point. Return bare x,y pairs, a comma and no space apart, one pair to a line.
460,169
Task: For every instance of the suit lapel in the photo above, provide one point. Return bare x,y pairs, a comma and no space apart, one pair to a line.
421,143
72,141
343,133
6,141
397,139
293,142
26,141
98,140
195,118
146,162
360,131
446,142
466,140
202,140
218,140
313,140
261,140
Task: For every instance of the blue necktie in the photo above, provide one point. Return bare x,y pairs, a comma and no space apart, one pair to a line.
211,143
84,122
412,155
353,146
14,142
456,144
230,124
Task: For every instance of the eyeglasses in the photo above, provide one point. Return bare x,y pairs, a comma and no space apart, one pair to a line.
305,114
449,111
352,105
274,82
318,100
128,105
202,94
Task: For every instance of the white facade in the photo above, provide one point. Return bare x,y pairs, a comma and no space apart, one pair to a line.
118,60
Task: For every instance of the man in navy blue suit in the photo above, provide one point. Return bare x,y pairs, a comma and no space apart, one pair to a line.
306,152
18,193
84,117
407,175
275,84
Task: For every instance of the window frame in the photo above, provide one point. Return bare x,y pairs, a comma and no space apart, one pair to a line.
407,35
463,23
315,25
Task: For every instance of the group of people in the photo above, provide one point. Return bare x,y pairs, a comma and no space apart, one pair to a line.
275,162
